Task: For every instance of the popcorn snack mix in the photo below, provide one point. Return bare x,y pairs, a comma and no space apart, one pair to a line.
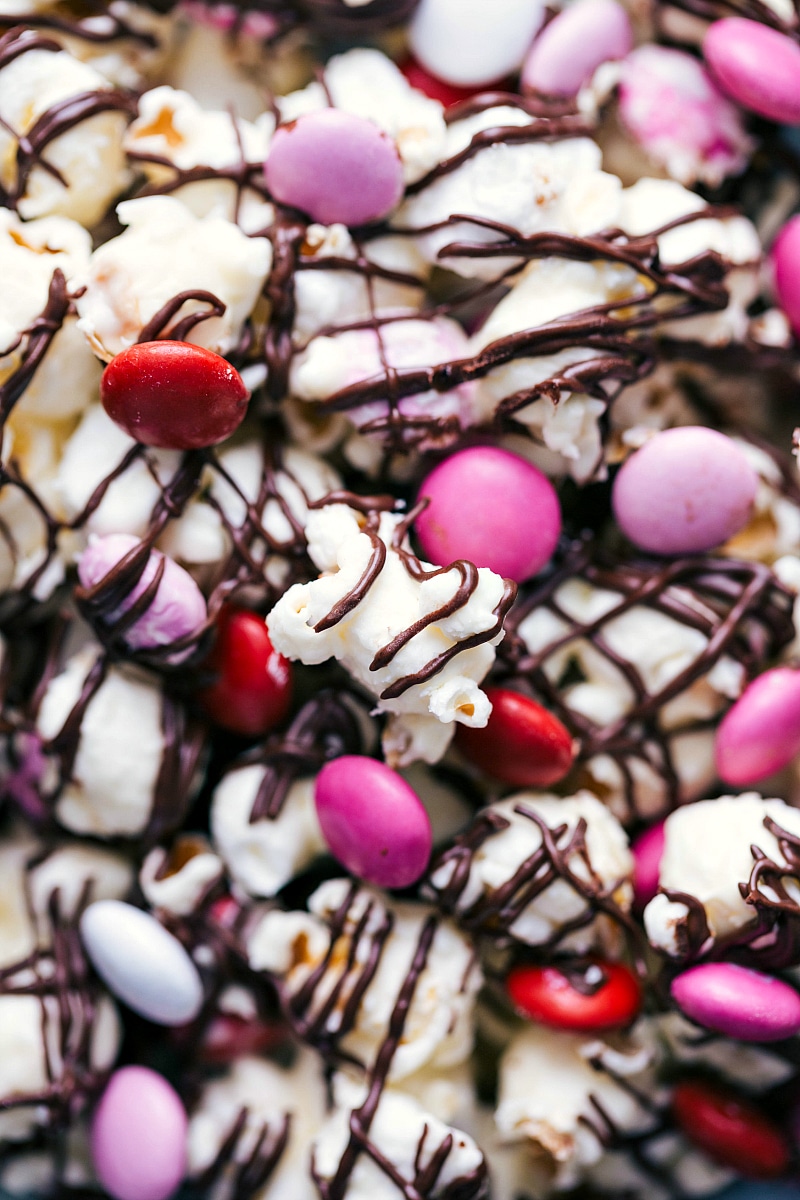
399,600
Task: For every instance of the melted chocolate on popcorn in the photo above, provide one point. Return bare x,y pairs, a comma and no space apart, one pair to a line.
90,21
739,607
715,10
338,18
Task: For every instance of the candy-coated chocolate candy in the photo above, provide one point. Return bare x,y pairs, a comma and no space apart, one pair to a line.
472,43
602,995
730,1128
174,395
493,509
446,93
786,270
687,490
253,687
138,1136
373,822
523,744
335,166
569,50
761,733
738,1002
647,850
141,962
228,1037
757,66
177,609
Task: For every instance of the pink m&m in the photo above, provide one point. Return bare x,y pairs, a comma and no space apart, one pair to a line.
647,850
138,1136
756,66
786,270
492,508
569,50
335,166
761,733
373,822
738,1002
687,490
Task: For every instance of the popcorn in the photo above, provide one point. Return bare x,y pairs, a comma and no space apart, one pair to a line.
427,682
179,880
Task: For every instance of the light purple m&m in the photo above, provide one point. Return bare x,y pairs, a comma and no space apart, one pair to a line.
373,822
687,490
569,50
492,508
647,850
335,166
756,66
738,1002
761,733
138,1136
786,270
177,609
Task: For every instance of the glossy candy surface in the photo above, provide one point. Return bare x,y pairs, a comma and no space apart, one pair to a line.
446,93
174,395
373,821
523,744
647,850
138,1136
253,686
141,962
687,490
730,1128
491,508
601,996
761,733
738,1002
574,44
786,270
470,42
335,166
757,66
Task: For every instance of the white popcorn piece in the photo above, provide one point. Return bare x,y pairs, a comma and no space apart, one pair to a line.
438,1028
177,881
164,251
707,855
773,530
88,156
422,717
602,859
261,856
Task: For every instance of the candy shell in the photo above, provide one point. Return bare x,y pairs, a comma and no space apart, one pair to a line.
603,996
786,270
523,744
730,1128
687,490
373,822
761,733
138,1136
252,687
141,962
446,93
647,850
473,42
335,166
173,395
492,508
756,66
569,50
738,1002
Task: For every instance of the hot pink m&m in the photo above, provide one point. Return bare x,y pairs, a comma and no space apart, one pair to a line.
335,166
138,1136
738,1002
687,490
647,850
373,822
492,508
570,49
756,66
761,733
786,270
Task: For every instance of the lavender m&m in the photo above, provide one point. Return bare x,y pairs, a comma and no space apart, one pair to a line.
177,609
373,822
335,166
647,850
785,258
569,50
757,66
761,733
141,962
138,1136
492,508
473,42
687,490
738,1002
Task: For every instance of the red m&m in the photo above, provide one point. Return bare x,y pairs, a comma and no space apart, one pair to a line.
602,995
731,1129
523,744
253,686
